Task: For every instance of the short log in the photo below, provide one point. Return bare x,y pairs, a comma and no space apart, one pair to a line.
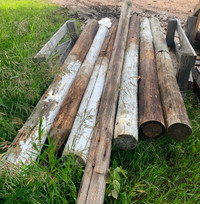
126,126
151,119
176,118
63,122
93,184
29,140
81,133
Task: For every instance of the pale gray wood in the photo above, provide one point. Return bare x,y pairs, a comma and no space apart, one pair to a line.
186,47
28,143
73,31
172,23
186,63
159,42
65,53
47,49
186,59
190,26
196,75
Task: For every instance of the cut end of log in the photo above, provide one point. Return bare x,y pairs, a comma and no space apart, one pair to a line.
179,131
152,129
126,142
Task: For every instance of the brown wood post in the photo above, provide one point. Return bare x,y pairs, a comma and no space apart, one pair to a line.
176,118
93,184
151,120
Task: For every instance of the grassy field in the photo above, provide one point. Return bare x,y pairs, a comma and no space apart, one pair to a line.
162,171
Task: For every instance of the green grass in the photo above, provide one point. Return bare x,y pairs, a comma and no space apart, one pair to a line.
162,171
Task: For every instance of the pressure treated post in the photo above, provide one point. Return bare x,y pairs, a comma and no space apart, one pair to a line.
176,118
126,126
93,184
63,122
81,134
22,149
151,120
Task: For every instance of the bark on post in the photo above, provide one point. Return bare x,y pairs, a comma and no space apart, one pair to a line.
63,122
22,149
93,184
126,126
176,118
80,137
151,120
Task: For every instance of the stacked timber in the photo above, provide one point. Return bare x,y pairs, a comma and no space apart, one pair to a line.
151,120
33,134
176,118
93,184
126,126
81,133
63,122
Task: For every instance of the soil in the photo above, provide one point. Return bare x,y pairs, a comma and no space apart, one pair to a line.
111,8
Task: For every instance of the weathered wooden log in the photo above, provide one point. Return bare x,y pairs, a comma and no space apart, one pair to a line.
151,119
80,136
63,122
93,184
176,118
126,126
33,133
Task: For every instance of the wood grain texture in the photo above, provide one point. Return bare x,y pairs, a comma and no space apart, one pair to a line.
176,118
80,137
22,150
126,126
151,119
190,27
63,122
93,184
172,24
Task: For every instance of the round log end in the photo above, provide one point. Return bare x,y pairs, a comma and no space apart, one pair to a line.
152,129
179,131
126,142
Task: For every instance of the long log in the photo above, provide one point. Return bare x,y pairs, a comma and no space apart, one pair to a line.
151,119
63,122
80,136
176,118
24,147
93,184
126,126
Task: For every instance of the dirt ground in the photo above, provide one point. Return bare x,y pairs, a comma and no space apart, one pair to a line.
170,8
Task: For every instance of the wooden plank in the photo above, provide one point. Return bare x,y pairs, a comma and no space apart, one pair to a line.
65,53
73,31
81,133
63,122
196,27
151,120
196,75
176,118
23,150
186,47
46,50
126,126
190,27
93,184
185,65
196,9
172,23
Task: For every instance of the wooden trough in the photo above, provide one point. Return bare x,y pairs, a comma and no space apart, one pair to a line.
94,97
